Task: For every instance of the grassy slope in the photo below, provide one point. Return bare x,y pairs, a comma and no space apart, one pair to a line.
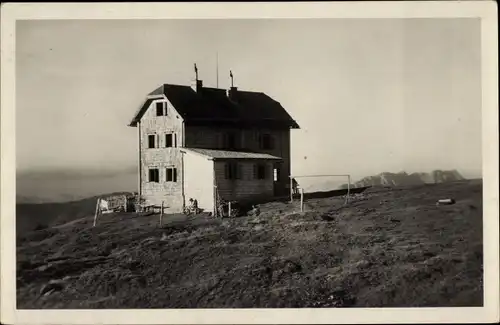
392,248
29,216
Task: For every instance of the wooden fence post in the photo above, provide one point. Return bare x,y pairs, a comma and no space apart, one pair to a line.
161,214
291,189
348,189
301,199
96,210
229,209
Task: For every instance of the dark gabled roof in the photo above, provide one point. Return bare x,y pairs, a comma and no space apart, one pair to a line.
211,106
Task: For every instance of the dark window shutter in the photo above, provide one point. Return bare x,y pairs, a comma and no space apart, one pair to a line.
271,142
175,174
220,140
238,170
175,139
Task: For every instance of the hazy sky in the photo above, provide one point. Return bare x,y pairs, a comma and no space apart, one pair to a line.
371,95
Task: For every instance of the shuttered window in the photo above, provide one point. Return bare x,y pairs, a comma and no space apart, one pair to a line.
171,174
259,171
154,175
266,141
232,171
151,141
229,140
220,140
169,140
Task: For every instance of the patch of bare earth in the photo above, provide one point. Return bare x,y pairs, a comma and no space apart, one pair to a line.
388,248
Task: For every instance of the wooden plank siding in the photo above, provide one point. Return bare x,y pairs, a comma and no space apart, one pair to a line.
247,139
246,187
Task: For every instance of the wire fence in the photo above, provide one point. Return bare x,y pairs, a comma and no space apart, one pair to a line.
296,189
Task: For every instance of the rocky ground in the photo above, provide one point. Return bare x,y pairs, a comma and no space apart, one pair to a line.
388,248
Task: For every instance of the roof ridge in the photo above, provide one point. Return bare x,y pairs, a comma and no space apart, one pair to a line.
214,106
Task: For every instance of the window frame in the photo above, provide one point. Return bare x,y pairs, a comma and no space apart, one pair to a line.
155,177
173,140
262,142
171,171
155,142
161,107
232,170
230,135
276,174
260,171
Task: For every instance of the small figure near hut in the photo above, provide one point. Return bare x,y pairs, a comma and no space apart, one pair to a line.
295,186
195,206
255,211
192,207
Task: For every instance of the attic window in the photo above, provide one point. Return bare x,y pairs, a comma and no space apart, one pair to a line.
161,109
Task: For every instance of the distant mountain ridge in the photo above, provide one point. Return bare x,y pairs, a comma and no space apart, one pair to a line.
71,185
405,179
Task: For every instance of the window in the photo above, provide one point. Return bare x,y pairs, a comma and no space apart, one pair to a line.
277,172
161,109
154,175
170,140
266,142
259,171
152,141
232,171
172,174
230,141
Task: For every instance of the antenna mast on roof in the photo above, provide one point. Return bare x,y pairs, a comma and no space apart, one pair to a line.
196,71
231,75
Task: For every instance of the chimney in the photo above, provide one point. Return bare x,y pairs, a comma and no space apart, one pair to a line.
196,84
232,91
